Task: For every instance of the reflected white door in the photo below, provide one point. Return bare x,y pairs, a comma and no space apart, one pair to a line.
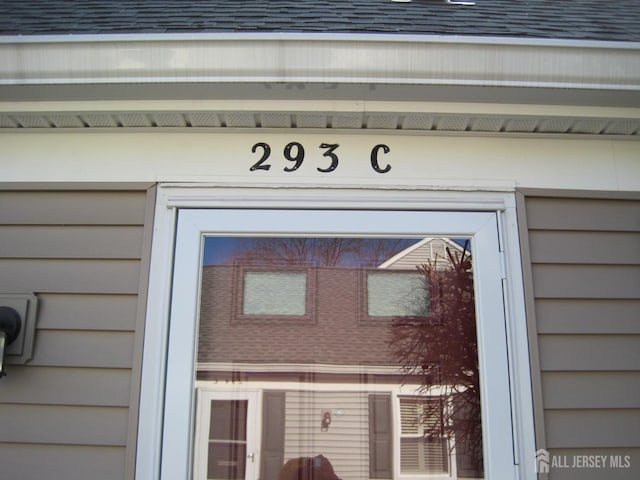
226,446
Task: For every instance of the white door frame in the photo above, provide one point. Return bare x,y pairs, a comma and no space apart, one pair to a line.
165,425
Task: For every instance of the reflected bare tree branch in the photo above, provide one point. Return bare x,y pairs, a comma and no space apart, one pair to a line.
442,351
327,252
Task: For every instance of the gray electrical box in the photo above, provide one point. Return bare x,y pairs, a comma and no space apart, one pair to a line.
26,304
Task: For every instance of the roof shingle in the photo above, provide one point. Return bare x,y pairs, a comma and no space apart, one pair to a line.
558,19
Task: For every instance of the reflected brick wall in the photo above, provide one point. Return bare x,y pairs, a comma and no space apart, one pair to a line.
339,332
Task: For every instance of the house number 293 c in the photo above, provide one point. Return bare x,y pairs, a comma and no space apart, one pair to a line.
294,152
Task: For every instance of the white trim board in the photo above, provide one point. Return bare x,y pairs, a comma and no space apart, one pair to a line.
225,158
178,369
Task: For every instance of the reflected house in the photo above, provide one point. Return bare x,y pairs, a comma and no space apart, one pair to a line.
311,343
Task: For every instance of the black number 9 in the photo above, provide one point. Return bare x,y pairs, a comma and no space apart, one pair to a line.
298,158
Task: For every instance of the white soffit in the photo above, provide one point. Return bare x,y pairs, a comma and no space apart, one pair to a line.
625,124
536,66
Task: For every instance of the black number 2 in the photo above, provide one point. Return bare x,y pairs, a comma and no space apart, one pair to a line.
266,151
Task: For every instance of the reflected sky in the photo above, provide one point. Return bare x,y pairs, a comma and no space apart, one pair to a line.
224,250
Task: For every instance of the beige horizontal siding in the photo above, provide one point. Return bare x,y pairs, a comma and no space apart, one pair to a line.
592,428
345,443
606,316
66,276
68,462
588,248
56,241
87,311
583,214
30,384
571,389
586,281
589,352
83,349
72,207
585,272
71,425
71,411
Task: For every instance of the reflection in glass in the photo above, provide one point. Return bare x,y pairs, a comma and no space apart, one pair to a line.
274,293
227,439
361,351
391,294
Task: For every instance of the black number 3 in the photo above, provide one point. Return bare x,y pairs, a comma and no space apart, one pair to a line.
331,147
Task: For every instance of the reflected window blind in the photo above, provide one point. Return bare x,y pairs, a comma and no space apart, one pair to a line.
422,448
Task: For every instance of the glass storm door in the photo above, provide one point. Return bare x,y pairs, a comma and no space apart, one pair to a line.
339,345
225,441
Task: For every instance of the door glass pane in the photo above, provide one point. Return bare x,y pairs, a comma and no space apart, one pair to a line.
227,440
362,350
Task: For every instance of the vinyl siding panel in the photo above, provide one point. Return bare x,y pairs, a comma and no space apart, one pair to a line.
75,207
570,390
68,462
589,352
71,425
605,316
345,443
585,288
71,411
69,276
588,248
586,281
83,349
118,242
582,214
593,428
87,311
432,252
67,386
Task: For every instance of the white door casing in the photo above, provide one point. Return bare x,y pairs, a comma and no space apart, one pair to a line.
166,443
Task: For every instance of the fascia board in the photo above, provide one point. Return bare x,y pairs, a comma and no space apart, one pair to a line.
341,59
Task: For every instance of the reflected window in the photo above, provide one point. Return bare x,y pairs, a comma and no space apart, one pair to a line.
423,446
393,293
274,293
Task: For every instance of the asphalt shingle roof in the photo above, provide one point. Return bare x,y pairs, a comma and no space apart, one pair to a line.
567,19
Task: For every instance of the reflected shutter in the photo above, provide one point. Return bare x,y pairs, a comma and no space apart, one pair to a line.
273,412
380,436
